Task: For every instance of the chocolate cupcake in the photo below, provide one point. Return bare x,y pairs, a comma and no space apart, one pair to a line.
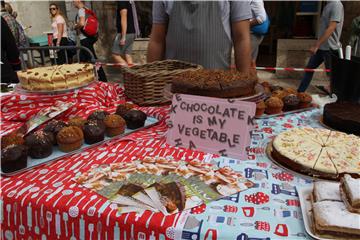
291,102
54,126
135,119
305,100
122,109
94,131
70,138
260,108
77,121
39,144
12,139
13,158
274,105
98,115
114,124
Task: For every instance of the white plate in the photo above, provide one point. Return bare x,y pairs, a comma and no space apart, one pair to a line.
305,203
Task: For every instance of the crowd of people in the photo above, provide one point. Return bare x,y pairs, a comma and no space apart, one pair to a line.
195,31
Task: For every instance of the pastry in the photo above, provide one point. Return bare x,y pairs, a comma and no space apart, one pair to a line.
114,124
77,121
122,109
291,102
318,152
54,126
260,108
291,91
275,88
350,193
343,116
215,83
70,138
274,105
13,158
12,139
94,131
135,119
279,94
98,115
326,191
39,144
305,100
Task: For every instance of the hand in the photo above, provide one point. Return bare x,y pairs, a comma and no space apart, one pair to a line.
122,41
313,49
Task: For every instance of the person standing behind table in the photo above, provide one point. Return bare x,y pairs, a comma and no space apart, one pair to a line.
9,55
259,24
355,37
331,23
59,30
201,32
11,22
86,41
127,30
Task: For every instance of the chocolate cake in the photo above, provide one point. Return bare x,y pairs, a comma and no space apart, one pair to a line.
343,116
39,144
13,157
135,119
215,83
94,131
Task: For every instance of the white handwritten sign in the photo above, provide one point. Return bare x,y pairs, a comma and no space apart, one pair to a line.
212,125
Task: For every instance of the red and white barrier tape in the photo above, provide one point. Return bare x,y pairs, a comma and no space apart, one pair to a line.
289,69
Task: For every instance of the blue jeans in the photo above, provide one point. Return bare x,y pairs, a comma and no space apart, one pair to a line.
315,61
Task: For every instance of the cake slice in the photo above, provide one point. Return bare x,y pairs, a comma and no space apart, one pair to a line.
344,160
333,218
350,192
326,191
325,165
319,136
70,75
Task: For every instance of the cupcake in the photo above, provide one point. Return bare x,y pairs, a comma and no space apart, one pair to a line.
94,131
135,119
275,87
13,158
305,100
114,124
122,109
290,91
54,126
12,139
98,115
291,102
274,105
39,144
260,108
279,94
77,121
70,138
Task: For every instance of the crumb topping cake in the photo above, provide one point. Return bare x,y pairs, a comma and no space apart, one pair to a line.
57,77
318,152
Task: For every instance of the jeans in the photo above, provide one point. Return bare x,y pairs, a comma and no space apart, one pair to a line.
85,56
61,58
315,61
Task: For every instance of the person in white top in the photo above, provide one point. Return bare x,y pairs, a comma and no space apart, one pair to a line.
59,30
258,17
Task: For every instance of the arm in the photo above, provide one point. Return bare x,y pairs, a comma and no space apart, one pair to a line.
258,11
331,28
60,27
242,46
123,14
156,48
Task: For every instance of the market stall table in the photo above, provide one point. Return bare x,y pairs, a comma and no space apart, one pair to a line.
45,202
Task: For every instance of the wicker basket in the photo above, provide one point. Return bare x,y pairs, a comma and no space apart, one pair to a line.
144,84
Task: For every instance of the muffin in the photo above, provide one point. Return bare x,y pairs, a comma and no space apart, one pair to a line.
291,102
39,144
290,91
70,138
77,121
135,119
94,131
305,100
260,108
275,87
13,158
279,94
12,139
265,84
54,126
114,124
274,105
98,115
122,109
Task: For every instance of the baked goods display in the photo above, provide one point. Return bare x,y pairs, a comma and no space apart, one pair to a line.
282,100
13,157
114,124
53,127
331,216
135,119
343,116
57,77
98,115
70,138
40,144
122,109
317,152
215,83
94,131
350,193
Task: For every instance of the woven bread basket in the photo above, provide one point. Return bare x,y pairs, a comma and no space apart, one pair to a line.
144,84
